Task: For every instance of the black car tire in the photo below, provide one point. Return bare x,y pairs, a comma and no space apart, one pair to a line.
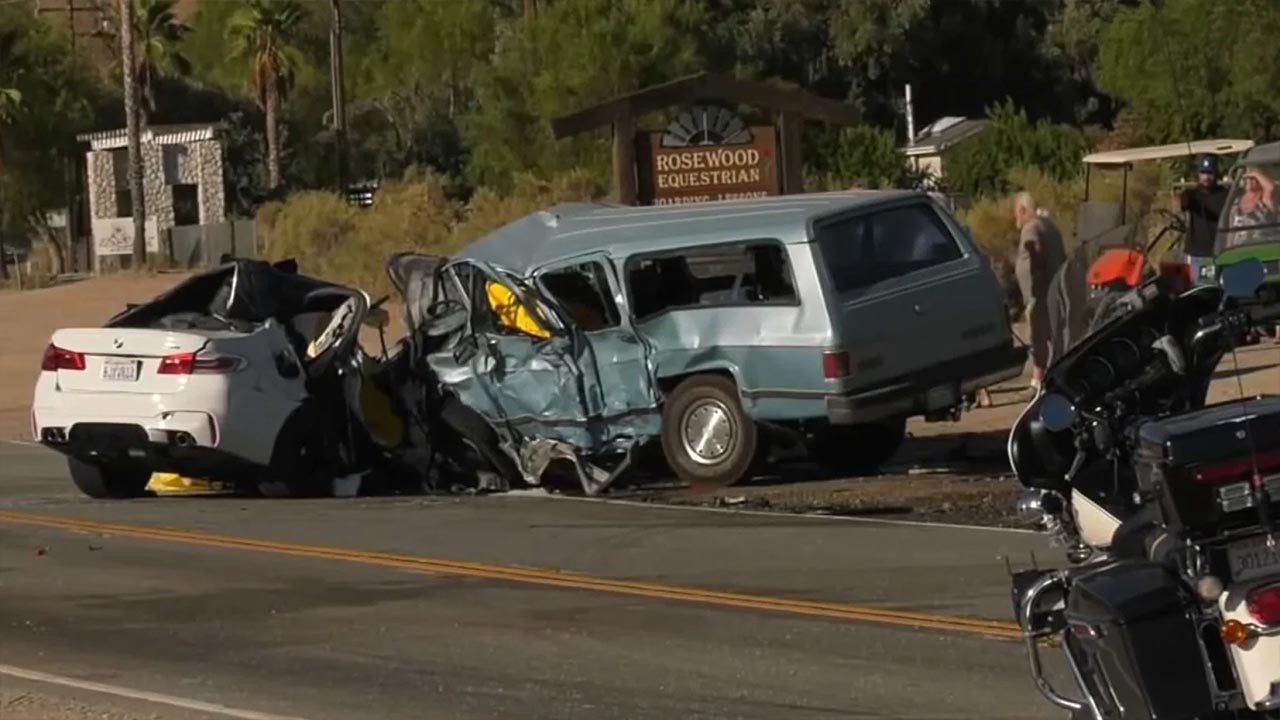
859,449
474,430
702,399
298,461
109,482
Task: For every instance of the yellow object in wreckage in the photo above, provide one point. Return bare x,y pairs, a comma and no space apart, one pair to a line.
511,313
162,483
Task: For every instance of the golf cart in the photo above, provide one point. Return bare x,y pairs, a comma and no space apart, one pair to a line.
1250,224
1117,259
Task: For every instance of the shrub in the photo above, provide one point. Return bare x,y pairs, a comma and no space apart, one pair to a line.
981,166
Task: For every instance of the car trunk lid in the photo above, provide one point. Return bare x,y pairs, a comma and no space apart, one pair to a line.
124,360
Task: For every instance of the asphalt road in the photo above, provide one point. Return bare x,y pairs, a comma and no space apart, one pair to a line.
498,607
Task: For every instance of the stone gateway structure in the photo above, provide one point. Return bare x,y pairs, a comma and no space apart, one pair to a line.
182,181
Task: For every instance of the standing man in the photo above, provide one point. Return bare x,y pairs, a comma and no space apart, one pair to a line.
1203,205
1040,256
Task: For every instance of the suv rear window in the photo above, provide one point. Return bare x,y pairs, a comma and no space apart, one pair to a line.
871,248
746,273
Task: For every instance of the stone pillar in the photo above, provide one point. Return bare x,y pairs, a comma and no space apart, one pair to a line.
208,164
101,180
159,197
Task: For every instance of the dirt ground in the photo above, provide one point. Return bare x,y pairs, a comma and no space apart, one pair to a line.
950,472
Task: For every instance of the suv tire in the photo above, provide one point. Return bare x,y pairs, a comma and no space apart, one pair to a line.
707,438
859,449
109,482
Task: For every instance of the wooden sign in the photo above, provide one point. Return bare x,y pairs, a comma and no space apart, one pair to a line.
706,154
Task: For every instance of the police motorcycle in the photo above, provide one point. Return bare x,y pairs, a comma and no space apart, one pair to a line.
1169,510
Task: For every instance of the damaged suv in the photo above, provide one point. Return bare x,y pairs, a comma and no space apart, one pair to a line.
714,331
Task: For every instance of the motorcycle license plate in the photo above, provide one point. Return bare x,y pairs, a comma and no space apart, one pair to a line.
1253,559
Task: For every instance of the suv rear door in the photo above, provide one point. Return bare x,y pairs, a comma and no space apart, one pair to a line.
913,304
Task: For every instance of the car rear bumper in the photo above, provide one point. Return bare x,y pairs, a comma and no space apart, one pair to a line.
934,390
131,443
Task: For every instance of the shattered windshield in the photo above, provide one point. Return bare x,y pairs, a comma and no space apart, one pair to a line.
1251,215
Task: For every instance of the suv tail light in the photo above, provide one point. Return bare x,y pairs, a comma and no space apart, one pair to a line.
1264,605
56,358
835,364
192,364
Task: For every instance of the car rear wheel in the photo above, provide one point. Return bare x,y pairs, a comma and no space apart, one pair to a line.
859,449
707,438
298,462
113,482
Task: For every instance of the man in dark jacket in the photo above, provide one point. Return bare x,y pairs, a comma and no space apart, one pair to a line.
1203,205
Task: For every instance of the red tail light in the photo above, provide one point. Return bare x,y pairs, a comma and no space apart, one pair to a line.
56,358
835,364
191,364
1264,605
1236,470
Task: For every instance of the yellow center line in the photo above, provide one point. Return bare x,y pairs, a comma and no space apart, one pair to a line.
536,576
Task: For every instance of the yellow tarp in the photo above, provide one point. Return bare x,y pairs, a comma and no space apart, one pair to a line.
174,484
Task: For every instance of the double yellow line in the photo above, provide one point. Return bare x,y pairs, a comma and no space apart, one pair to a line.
535,576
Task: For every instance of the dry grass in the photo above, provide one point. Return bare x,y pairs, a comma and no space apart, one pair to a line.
350,245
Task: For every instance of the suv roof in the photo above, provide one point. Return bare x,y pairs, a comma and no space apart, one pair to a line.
572,229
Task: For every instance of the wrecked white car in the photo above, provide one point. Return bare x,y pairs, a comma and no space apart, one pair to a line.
713,331
249,374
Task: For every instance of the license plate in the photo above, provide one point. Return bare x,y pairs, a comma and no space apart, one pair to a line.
120,370
1253,559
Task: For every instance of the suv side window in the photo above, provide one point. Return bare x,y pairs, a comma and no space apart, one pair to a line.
743,273
583,291
887,244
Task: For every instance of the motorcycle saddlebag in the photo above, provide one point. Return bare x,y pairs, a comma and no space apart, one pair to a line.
1198,465
1130,620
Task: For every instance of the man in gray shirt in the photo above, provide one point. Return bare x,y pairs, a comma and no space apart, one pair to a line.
1040,255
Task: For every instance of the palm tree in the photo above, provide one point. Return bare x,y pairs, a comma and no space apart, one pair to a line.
157,35
266,33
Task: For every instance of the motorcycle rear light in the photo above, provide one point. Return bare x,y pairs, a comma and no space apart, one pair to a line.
835,364
1235,632
1236,470
193,364
56,358
1264,605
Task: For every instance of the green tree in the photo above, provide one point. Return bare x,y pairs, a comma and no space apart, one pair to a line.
1196,67
981,166
46,98
571,54
158,36
267,32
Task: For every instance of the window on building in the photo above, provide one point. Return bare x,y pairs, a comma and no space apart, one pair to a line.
583,292
745,273
867,249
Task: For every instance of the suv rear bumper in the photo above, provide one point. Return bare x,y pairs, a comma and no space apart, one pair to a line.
935,389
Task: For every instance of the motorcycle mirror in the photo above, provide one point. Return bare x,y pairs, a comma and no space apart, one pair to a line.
1057,412
1241,280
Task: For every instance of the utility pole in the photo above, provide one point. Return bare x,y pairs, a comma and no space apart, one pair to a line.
337,81
129,71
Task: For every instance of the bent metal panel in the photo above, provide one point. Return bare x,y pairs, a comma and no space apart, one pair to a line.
701,173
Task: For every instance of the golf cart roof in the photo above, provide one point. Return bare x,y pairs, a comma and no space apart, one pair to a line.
1161,152
1262,155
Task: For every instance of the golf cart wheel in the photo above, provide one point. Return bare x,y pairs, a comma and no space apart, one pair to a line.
707,438
297,462
109,482
859,449
476,437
